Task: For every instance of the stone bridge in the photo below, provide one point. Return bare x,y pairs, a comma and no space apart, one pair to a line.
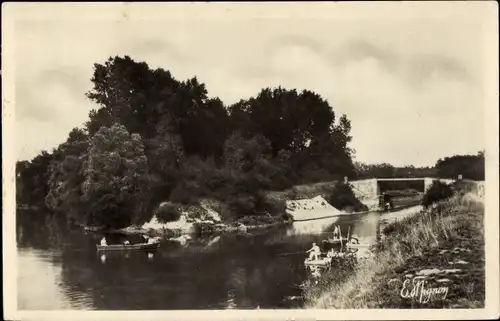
368,190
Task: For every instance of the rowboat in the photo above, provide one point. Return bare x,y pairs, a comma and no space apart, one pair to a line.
354,245
320,262
129,247
92,228
335,241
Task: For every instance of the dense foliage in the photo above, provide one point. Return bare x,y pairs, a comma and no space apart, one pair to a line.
385,170
153,138
342,197
167,212
469,166
437,191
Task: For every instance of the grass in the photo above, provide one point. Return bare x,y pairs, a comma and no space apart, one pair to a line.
435,239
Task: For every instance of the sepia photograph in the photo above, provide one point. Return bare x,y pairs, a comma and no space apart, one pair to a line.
258,157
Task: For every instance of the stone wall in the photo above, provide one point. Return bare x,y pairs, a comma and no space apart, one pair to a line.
367,191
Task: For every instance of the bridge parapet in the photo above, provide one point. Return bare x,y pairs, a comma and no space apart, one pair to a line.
368,190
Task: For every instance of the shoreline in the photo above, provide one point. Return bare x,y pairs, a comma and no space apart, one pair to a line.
201,229
395,209
442,247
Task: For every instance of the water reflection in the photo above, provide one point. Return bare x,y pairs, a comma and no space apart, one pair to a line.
229,271
41,286
311,227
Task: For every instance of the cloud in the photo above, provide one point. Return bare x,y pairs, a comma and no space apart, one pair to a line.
412,97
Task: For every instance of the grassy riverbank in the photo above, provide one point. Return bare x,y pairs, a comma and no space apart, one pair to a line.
443,245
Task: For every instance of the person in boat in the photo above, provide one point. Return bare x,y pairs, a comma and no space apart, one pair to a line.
314,252
104,242
336,232
353,239
152,240
387,201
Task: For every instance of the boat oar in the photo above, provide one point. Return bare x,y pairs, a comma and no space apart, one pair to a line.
340,234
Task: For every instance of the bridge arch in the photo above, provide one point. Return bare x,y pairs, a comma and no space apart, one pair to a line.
369,190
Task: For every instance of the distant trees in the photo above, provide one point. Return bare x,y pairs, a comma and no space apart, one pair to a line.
33,178
469,166
385,170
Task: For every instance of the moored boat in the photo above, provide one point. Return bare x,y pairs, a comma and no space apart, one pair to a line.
357,245
335,241
127,247
319,262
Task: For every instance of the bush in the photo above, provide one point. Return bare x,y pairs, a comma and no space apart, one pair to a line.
266,204
342,197
185,193
255,220
287,217
168,212
242,204
437,192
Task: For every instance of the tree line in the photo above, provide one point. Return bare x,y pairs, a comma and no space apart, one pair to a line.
153,138
469,166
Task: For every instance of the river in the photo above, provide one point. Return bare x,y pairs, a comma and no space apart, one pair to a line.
61,269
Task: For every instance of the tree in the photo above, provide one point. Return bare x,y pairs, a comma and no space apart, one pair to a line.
437,191
138,97
116,187
301,124
470,166
287,119
66,176
165,155
33,178
21,192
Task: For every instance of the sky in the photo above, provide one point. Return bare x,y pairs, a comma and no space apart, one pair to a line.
410,78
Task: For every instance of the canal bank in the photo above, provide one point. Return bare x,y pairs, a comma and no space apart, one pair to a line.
207,219
431,260
240,270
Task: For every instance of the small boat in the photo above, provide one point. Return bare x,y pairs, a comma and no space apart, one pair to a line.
92,228
127,247
320,262
354,245
335,241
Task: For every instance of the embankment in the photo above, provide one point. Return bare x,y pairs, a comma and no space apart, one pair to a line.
434,259
299,203
211,216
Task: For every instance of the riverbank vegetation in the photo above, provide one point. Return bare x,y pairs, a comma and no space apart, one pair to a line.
153,139
444,245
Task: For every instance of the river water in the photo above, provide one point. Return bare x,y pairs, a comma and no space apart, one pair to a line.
61,269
